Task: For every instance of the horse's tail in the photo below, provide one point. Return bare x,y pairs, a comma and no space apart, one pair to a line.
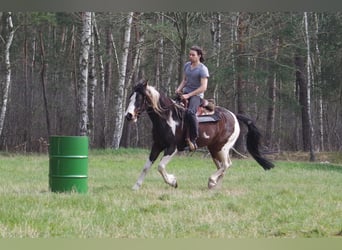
253,141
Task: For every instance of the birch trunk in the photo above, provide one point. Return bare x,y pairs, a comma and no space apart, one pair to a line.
119,108
7,83
308,105
160,56
83,75
319,84
233,36
240,62
216,39
240,144
126,134
92,82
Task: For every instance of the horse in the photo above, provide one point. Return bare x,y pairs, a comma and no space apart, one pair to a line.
169,133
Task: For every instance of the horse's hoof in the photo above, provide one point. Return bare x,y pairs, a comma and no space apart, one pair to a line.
211,183
174,184
136,187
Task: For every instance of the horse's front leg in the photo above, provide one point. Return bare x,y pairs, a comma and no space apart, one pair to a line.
155,151
168,178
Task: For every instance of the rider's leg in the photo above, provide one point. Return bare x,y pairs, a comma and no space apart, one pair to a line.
194,103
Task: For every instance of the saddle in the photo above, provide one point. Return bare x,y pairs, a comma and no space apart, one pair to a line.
206,110
206,113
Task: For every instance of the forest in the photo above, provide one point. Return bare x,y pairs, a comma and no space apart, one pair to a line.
70,73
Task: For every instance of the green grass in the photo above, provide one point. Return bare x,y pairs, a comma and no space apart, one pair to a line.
293,200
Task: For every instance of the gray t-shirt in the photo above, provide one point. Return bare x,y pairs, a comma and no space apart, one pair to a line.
193,77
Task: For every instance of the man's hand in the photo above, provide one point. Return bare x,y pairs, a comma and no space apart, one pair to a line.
186,96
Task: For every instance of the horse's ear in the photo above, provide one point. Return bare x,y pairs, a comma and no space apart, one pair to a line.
145,83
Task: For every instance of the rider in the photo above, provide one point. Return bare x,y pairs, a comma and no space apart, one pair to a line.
192,88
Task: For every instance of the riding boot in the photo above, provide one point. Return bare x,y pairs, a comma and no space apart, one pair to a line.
193,131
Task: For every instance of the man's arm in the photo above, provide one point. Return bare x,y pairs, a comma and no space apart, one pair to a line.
181,86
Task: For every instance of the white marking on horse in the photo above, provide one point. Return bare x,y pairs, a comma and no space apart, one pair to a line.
131,106
172,123
235,134
168,178
142,175
205,135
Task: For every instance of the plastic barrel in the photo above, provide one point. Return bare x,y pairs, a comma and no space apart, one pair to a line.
68,164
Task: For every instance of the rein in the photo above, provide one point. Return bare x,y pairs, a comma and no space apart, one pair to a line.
178,108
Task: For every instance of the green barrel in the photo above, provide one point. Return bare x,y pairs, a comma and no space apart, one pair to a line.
68,164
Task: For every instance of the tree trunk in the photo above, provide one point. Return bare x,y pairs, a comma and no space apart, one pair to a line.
106,86
302,87
160,56
272,86
43,77
233,36
216,40
240,145
119,105
240,63
304,103
181,22
83,75
28,81
308,101
92,82
6,87
140,39
103,95
319,84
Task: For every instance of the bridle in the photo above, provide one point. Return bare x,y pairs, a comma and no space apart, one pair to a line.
142,106
145,104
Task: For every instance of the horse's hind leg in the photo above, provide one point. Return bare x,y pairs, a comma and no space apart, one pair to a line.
221,156
222,162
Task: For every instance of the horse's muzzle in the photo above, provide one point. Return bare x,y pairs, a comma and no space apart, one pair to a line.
129,117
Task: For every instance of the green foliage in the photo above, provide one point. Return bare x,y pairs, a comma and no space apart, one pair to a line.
295,199
45,18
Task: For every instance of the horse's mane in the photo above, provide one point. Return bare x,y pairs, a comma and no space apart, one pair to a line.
153,97
160,103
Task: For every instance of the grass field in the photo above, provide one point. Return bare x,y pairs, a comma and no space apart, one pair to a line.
293,200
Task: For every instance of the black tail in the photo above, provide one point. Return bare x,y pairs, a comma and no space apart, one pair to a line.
253,141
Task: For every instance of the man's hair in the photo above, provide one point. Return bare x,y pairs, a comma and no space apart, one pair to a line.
199,52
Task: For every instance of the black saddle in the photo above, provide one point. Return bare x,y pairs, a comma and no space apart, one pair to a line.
208,118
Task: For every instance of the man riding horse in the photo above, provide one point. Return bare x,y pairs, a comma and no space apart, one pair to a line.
192,89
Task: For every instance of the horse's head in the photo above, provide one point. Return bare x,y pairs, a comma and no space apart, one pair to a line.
137,101
143,96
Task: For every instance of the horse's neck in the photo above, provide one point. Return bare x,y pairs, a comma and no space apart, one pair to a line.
168,105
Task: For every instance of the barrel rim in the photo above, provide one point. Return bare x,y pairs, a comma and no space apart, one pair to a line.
61,156
70,176
68,136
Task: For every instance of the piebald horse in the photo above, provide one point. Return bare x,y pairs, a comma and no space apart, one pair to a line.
169,133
